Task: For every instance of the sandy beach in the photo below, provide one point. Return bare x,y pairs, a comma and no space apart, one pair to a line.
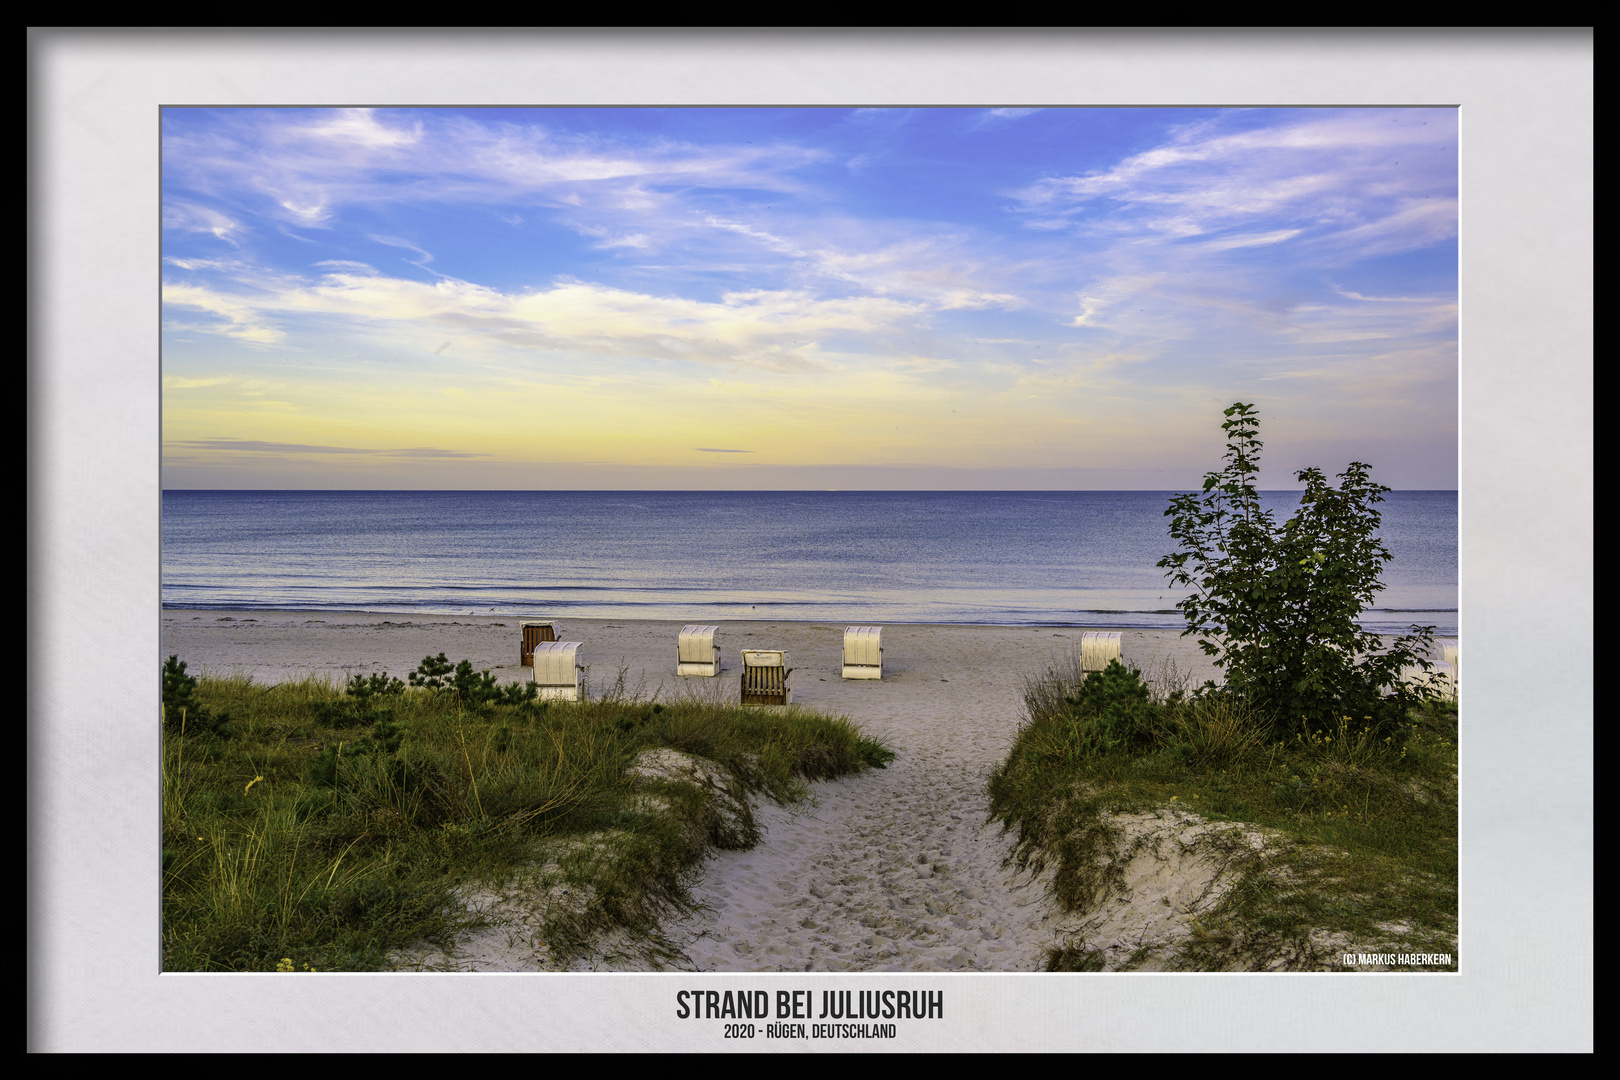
891,870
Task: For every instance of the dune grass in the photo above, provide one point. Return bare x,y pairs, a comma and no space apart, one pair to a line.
308,826
1363,826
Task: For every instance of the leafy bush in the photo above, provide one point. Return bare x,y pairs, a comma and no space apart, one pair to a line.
1277,606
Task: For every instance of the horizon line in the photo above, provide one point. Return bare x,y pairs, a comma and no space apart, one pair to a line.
750,491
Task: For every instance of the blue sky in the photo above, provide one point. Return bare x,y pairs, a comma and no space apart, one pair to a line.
804,298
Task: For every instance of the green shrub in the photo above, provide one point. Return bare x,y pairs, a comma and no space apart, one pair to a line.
473,689
432,673
1110,712
1276,606
365,688
1116,691
182,711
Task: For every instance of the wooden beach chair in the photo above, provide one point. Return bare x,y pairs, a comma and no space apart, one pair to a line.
556,670
764,678
696,653
1097,648
863,652
533,634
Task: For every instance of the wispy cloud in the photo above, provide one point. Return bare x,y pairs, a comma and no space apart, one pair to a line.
178,382
237,318
347,266
257,446
1277,236
191,217
1350,178
308,170
422,259
774,329
1012,114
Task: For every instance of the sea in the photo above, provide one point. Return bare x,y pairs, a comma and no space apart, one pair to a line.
1060,558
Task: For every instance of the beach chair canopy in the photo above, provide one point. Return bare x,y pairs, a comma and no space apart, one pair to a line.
1097,648
556,664
863,652
696,645
863,645
695,651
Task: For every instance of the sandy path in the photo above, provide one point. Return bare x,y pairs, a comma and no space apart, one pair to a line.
898,870
892,870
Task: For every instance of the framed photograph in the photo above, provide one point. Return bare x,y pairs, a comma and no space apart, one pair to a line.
566,331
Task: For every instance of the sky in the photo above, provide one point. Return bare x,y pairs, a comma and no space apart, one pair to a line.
775,299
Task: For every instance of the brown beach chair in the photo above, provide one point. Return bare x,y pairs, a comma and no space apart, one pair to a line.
533,634
764,678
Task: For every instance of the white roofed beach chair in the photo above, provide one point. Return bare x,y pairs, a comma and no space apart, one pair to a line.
533,634
863,652
1445,649
1097,648
695,651
764,678
556,670
1441,675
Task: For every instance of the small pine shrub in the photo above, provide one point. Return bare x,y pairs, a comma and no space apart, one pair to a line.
473,689
432,673
181,711
1111,711
385,738
364,688
518,694
323,770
